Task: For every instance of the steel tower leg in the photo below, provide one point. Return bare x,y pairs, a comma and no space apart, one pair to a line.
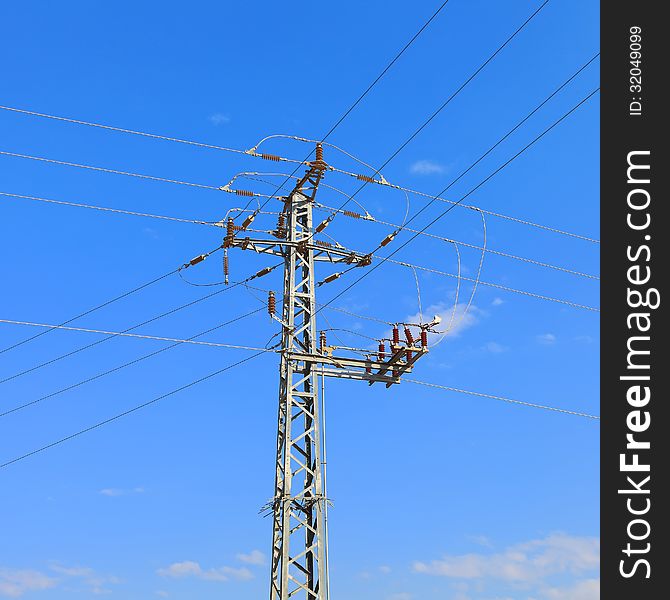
298,540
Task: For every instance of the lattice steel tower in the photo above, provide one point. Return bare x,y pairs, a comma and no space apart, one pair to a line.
299,553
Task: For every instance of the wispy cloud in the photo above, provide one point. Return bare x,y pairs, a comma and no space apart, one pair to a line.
455,319
14,583
189,568
426,167
115,492
528,562
95,582
219,119
547,339
255,557
494,348
497,302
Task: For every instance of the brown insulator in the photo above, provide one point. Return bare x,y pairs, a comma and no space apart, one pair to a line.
262,272
352,214
196,260
272,303
332,277
323,243
321,226
365,178
230,233
319,152
368,369
424,338
280,232
388,239
249,220
396,335
244,193
409,355
322,341
272,157
409,336
382,351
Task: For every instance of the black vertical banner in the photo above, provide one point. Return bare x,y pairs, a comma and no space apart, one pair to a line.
635,448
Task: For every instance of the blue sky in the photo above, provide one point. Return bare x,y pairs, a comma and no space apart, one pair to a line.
436,495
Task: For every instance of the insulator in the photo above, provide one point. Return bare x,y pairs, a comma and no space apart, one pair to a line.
280,232
368,369
319,152
396,335
388,239
409,336
226,266
424,338
323,243
409,355
262,272
332,277
244,193
352,214
196,260
249,220
272,303
322,341
365,178
272,157
230,233
382,351
321,226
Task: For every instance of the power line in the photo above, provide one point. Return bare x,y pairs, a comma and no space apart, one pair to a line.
165,314
105,209
448,100
127,412
489,284
390,64
130,131
503,399
325,207
472,190
107,170
488,250
130,335
90,310
127,364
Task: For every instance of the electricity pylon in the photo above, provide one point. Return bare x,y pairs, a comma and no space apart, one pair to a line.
298,506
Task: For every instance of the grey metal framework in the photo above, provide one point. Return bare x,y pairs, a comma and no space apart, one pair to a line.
299,565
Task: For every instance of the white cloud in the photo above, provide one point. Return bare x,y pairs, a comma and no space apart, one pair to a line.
14,583
455,320
189,568
587,589
497,302
427,167
400,596
95,582
255,557
494,347
528,562
385,569
115,492
219,119
547,339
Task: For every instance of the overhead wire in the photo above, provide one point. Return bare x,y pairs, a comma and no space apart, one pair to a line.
128,412
136,326
503,399
470,192
129,335
124,365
